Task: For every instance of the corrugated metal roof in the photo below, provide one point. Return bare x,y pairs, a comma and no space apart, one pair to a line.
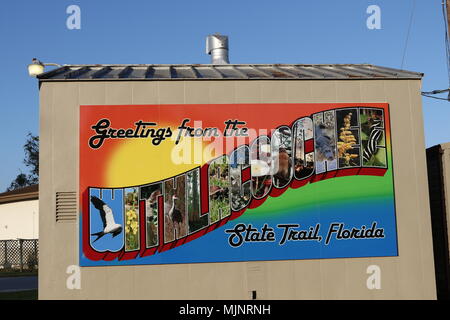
224,72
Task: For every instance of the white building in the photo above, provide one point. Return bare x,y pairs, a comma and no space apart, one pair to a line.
19,214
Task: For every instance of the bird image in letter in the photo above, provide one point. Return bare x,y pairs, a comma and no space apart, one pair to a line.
175,215
324,144
109,225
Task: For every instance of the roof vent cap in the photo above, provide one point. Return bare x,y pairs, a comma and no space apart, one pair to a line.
217,47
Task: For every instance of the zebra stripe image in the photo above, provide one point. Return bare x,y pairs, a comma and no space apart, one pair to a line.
375,135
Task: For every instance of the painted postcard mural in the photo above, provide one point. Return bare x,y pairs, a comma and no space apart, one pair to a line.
162,184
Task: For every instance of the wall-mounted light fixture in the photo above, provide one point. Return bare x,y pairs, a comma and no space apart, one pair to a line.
37,67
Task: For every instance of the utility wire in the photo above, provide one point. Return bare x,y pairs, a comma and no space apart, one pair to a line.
436,91
407,34
447,45
447,54
428,96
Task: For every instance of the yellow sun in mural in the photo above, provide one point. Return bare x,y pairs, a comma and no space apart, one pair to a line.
138,161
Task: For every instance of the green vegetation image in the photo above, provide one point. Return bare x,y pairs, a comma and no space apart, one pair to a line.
193,202
131,219
219,185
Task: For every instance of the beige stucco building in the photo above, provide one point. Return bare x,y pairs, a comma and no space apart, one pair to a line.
410,275
19,214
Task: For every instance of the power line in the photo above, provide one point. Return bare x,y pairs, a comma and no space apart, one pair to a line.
428,96
407,34
447,54
436,91
447,45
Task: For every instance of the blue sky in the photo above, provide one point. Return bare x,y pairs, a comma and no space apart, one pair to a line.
174,31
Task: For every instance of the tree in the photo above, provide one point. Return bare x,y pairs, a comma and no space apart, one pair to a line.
31,160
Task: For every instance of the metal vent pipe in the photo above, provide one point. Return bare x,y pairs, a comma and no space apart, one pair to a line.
217,47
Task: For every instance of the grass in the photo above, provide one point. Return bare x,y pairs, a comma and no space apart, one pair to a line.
20,295
17,273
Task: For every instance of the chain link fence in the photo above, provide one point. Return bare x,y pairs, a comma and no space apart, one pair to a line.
19,254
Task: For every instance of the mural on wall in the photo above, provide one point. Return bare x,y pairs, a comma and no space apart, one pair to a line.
163,184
